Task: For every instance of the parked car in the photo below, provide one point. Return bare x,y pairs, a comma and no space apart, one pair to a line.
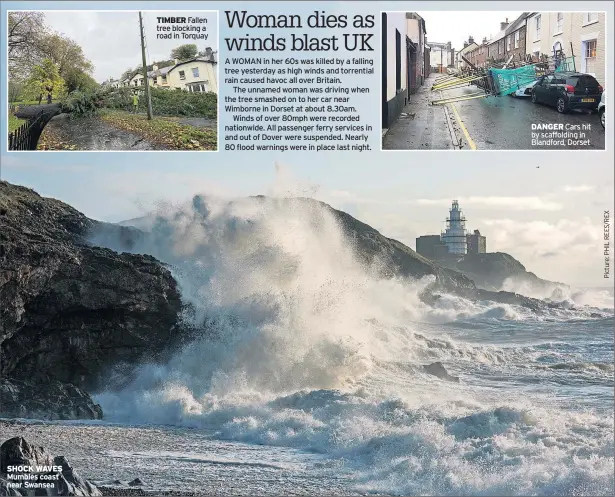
568,90
601,108
525,90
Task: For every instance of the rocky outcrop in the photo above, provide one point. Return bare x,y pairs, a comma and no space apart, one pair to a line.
55,400
437,369
61,480
70,310
500,271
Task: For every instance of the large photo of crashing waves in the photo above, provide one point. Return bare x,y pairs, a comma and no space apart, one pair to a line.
276,345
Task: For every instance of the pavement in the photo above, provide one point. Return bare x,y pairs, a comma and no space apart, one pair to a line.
492,123
420,126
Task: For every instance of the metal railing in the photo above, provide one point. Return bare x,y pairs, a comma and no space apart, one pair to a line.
26,136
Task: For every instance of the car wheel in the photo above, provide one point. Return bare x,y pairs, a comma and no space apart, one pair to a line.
602,117
534,98
562,105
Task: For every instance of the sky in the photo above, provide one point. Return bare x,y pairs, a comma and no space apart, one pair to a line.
550,218
111,41
456,27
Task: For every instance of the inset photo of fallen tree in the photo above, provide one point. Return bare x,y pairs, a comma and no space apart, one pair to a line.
112,81
493,80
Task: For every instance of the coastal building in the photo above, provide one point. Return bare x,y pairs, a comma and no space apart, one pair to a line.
431,247
477,243
455,241
454,237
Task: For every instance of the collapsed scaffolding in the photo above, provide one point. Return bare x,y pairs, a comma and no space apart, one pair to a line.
494,81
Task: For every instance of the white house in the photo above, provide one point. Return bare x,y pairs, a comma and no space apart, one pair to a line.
194,75
581,34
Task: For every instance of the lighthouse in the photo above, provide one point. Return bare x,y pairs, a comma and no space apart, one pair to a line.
455,235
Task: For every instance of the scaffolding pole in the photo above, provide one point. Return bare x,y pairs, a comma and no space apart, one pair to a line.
470,96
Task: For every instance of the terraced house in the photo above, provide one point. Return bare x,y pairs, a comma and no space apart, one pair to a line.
581,34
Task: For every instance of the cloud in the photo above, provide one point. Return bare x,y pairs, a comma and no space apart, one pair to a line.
578,189
508,203
567,249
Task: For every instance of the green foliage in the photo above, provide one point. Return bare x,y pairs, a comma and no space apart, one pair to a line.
165,102
45,78
79,80
185,52
81,104
168,102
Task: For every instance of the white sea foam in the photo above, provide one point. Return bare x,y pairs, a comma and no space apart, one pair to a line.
306,347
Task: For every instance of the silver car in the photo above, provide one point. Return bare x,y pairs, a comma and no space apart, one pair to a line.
601,108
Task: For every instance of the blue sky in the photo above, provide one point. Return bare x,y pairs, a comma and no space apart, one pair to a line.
549,217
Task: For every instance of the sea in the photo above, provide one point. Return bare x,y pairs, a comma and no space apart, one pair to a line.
307,377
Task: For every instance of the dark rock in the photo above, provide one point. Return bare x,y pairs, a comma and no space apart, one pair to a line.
54,400
70,310
438,369
135,483
17,451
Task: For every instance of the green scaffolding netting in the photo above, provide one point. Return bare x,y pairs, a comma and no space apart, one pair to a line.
508,81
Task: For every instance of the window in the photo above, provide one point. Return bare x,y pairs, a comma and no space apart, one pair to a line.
197,88
182,75
517,39
559,23
155,80
508,43
591,17
164,79
195,72
537,28
589,56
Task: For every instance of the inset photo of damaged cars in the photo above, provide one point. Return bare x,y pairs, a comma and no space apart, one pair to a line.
494,80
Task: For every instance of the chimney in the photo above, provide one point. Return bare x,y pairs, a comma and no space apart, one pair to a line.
484,40
465,44
504,25
470,40
176,61
154,67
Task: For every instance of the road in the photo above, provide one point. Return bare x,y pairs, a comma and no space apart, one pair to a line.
492,123
505,123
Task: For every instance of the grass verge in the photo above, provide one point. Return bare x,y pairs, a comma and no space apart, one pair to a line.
163,130
15,122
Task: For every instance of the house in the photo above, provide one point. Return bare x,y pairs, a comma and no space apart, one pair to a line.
582,34
111,83
395,56
496,48
442,56
417,38
466,52
515,38
194,75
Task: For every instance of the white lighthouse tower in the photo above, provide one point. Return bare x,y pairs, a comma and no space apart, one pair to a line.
455,235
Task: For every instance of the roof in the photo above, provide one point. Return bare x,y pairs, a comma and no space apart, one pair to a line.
517,23
497,37
159,72
196,59
468,48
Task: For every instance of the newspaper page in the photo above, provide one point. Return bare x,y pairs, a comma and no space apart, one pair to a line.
329,248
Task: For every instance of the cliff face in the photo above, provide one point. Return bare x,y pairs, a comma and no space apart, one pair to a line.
498,270
69,310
